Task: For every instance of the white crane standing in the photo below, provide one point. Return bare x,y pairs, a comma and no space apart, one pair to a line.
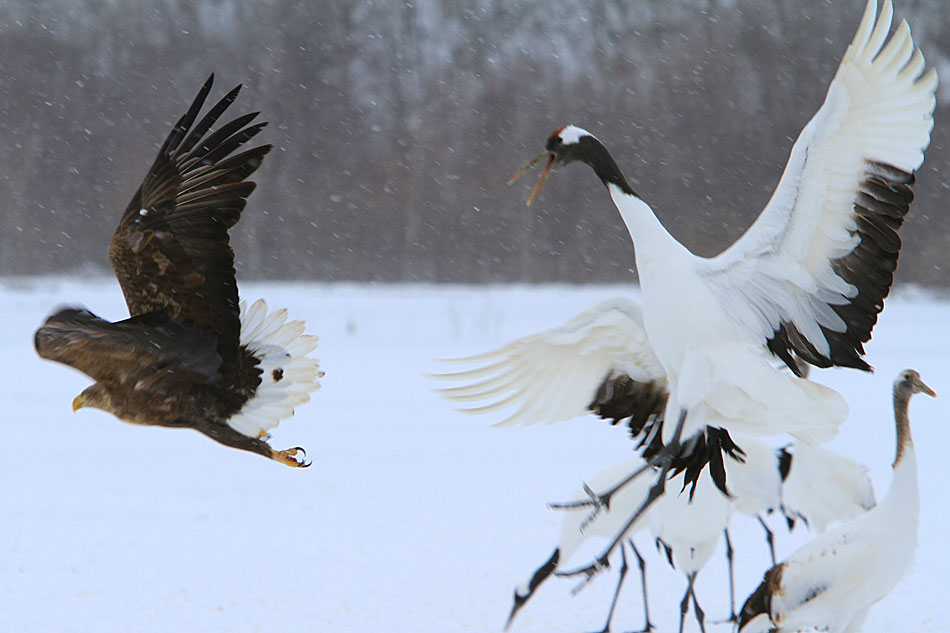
832,581
804,483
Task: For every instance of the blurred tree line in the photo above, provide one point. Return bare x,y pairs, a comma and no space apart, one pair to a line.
397,124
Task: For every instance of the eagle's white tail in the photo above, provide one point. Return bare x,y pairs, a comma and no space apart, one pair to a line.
288,375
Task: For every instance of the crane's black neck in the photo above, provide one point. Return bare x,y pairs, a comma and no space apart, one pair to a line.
591,151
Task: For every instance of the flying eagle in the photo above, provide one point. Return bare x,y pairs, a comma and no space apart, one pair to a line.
191,355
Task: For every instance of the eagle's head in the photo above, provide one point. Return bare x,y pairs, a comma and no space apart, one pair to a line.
94,396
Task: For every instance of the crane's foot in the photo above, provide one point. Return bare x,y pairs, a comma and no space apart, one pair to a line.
593,499
588,571
294,457
732,619
599,503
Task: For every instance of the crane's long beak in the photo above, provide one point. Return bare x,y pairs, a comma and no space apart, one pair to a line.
924,388
544,173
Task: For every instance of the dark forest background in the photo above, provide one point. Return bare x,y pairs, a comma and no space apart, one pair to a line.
397,125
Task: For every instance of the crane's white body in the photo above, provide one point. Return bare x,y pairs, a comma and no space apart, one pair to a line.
824,487
709,319
690,527
718,371
832,581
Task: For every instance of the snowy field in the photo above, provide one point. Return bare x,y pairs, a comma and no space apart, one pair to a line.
413,517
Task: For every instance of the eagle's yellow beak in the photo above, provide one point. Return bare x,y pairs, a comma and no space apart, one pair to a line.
79,402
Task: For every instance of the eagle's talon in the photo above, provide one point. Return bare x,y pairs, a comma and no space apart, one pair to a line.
302,458
294,457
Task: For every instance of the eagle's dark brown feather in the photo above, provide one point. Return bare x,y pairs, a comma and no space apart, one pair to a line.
178,361
171,251
144,353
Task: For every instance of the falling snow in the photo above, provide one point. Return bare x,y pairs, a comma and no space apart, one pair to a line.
413,516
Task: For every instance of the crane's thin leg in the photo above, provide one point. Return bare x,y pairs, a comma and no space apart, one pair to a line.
648,626
613,603
684,605
664,460
732,582
769,537
697,611
539,576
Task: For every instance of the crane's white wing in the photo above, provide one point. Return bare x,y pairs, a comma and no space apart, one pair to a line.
811,273
755,482
556,375
823,486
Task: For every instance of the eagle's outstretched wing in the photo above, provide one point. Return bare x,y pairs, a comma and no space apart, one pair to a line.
141,352
170,251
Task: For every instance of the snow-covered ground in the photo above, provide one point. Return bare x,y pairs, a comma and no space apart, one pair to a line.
413,517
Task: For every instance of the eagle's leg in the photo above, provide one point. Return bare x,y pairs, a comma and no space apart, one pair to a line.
294,457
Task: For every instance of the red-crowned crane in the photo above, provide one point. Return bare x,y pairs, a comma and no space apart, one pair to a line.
809,276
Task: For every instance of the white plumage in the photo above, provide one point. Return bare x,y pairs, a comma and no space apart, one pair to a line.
288,375
832,581
799,278
692,528
554,375
824,487
819,487
809,276
879,108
